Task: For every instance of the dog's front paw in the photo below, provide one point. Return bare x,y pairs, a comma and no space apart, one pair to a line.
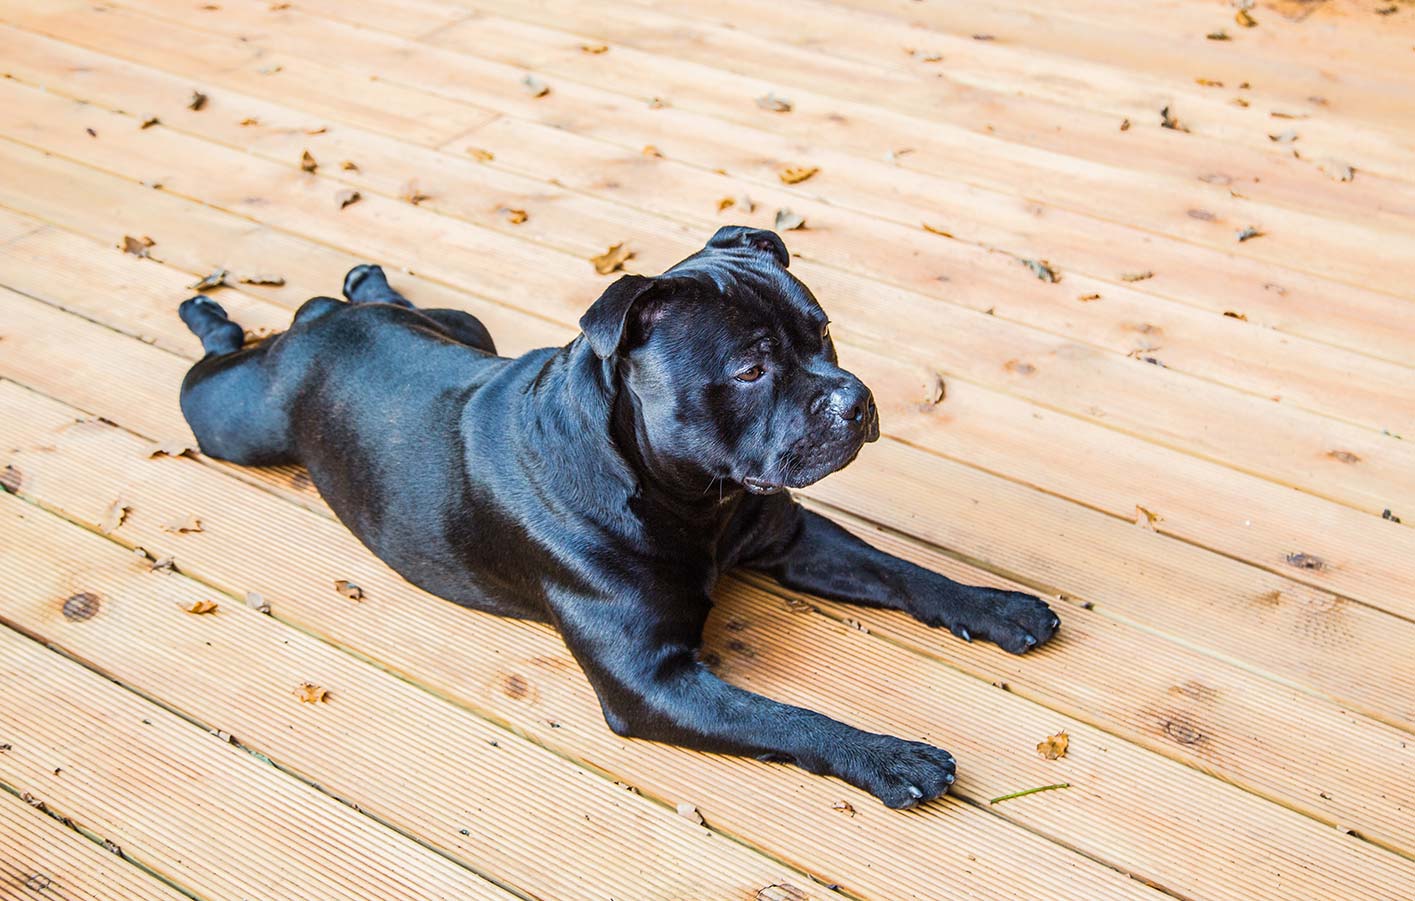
900,773
1014,621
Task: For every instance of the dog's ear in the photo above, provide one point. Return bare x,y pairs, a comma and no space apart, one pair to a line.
759,238
609,318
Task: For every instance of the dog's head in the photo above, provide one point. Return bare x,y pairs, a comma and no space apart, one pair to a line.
728,364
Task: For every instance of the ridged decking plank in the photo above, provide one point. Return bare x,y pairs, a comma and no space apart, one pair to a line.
397,752
938,695
38,855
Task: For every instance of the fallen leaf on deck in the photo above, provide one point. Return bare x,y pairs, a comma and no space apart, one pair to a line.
307,162
652,151
91,132
263,278
534,86
1042,270
413,194
1219,35
136,246
149,122
481,155
1337,170
1124,124
250,120
844,807
1146,518
725,203
514,216
1019,367
174,448
349,589
317,130
593,49
1239,101
216,279
11,479
163,565
1387,514
1136,276
1234,314
1249,233
769,101
1244,18
1054,746
197,102
346,197
1305,561
182,526
1170,122
309,693
936,231
257,603
114,516
1344,456
657,103
270,69
796,174
924,56
198,607
1284,137
788,221
893,156
689,812
1087,298
612,259
1208,83
349,166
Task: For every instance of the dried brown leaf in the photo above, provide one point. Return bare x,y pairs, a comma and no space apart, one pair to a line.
346,197
844,807
1337,170
257,603
349,589
1042,270
726,203
1219,35
1146,518
249,121
1124,124
1136,276
594,49
149,122
1245,18
197,101
136,246
115,515
308,162
1284,137
349,166
1087,298
481,154
1234,314
173,448
534,86
772,103
1248,233
198,607
263,278
182,525
1169,121
612,259
787,221
216,279
309,693
652,151
515,216
317,130
413,194
934,230
792,175
1054,746
1208,83
1303,560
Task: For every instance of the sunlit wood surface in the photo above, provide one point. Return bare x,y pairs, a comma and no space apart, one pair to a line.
1132,283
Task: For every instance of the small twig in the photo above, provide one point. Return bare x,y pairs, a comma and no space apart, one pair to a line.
1030,791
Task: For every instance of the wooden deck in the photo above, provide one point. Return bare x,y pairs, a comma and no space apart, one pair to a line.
1195,441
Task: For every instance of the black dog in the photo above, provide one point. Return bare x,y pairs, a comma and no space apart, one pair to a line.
603,486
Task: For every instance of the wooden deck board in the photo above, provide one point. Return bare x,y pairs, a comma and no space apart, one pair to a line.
1263,721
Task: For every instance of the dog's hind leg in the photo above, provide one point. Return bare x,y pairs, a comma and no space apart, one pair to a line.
227,397
367,284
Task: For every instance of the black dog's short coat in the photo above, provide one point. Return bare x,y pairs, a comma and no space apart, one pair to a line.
602,486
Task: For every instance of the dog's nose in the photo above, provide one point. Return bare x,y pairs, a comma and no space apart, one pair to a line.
853,402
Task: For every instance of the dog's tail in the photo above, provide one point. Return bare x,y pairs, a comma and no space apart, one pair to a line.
208,321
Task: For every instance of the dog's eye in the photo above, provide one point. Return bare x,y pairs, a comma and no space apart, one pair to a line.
750,375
